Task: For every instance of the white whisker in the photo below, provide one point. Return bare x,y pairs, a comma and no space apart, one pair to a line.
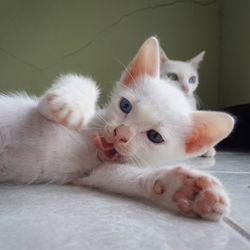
125,68
101,117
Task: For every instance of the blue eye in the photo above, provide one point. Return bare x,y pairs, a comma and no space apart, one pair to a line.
154,136
125,105
192,79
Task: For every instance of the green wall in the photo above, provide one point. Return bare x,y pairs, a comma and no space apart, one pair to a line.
234,87
41,39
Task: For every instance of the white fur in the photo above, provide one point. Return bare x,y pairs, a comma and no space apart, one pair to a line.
210,153
34,149
71,95
60,154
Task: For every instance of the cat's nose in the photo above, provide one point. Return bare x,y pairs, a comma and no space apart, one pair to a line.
123,133
185,88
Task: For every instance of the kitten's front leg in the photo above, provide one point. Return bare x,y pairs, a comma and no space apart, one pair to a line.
189,192
70,101
118,178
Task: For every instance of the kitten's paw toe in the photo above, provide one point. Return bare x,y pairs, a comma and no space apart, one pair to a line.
211,204
193,194
65,113
62,109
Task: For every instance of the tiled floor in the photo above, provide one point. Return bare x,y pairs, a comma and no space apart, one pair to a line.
64,217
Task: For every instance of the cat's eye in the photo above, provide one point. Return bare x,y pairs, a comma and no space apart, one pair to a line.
192,79
125,105
154,136
172,76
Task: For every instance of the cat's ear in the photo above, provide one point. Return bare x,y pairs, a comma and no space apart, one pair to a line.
163,61
208,128
195,61
146,62
163,57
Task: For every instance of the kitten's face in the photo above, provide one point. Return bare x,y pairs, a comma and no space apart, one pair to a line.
183,74
157,125
150,122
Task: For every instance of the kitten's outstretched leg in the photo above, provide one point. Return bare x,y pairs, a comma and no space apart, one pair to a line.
189,192
70,101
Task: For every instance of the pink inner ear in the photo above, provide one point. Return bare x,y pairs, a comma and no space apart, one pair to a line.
132,72
201,136
139,68
208,129
146,62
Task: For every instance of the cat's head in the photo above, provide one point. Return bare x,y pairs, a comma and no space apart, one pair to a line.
182,73
149,121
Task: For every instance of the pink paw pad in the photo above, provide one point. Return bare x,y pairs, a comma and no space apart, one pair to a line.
204,204
159,188
198,196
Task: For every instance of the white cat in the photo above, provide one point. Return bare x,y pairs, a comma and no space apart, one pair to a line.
184,74
148,122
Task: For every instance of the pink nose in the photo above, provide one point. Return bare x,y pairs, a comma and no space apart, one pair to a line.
185,88
123,133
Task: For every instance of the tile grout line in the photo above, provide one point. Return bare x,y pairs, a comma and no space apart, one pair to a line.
228,172
237,228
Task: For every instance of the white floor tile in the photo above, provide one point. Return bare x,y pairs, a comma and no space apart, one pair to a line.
64,217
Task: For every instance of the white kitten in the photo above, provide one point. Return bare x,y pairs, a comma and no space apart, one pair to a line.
147,122
183,74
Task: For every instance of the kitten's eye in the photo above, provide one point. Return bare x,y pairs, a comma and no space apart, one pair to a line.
154,136
192,79
172,76
125,105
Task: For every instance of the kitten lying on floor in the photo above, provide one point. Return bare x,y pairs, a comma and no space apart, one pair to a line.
148,122
184,75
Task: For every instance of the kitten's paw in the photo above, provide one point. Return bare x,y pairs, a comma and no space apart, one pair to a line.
210,153
62,109
70,101
192,193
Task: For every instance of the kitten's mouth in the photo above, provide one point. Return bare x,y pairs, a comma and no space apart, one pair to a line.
106,151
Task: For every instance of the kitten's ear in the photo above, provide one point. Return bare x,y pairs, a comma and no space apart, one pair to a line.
163,61
146,62
163,57
208,128
195,61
